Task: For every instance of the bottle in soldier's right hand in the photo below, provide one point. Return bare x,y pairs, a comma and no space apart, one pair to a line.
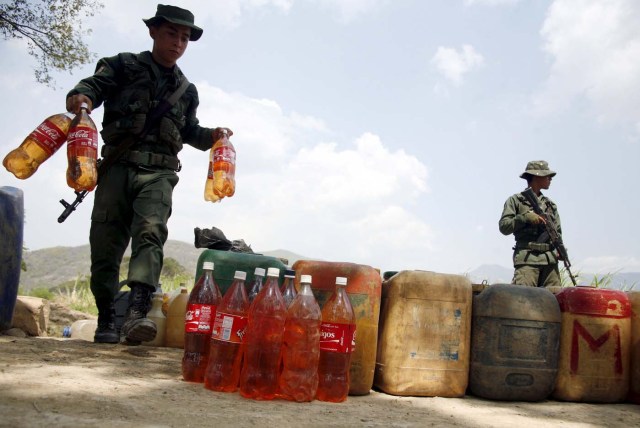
39,146
222,169
82,152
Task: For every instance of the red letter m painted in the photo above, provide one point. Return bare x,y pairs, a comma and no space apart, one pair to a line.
594,345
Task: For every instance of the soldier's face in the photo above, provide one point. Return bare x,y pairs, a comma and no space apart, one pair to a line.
542,182
169,42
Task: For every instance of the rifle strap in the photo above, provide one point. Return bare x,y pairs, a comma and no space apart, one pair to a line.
112,156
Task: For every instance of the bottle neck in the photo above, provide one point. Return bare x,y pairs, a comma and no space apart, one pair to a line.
305,289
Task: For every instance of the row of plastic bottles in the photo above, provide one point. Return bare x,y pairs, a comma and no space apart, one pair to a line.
81,135
263,348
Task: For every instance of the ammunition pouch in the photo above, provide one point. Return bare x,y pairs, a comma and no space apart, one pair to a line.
169,135
116,130
146,159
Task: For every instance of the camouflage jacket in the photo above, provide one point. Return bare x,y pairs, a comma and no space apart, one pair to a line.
529,235
130,85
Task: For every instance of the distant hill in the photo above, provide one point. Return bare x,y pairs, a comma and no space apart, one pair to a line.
49,267
495,274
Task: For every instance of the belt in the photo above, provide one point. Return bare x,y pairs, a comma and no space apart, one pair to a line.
146,158
535,246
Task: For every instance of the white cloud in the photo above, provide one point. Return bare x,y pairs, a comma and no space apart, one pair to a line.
349,10
298,190
595,53
453,65
490,2
609,265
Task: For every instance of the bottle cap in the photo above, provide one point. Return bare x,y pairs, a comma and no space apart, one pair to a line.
183,290
207,266
305,279
240,275
84,105
289,273
340,280
273,271
259,272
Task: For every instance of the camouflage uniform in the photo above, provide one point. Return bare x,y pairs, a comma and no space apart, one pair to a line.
534,258
134,197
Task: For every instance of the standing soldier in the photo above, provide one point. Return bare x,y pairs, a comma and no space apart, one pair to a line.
534,257
134,196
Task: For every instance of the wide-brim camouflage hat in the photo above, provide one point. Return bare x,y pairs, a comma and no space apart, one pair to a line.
175,15
539,168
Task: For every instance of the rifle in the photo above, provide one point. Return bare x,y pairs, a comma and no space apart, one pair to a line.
103,164
552,231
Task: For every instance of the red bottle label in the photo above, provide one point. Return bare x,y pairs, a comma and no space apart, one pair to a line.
336,337
199,318
83,141
210,172
48,136
224,154
229,327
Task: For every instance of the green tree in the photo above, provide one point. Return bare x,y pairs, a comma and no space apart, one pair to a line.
171,268
53,31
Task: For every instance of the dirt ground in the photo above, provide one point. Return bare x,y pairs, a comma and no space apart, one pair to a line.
46,382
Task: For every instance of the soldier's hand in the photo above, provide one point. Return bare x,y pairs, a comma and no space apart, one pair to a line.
75,101
219,132
533,218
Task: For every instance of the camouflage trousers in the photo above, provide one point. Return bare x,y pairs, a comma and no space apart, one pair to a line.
537,275
131,204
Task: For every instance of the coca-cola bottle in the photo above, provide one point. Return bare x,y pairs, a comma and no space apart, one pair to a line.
256,286
298,380
221,180
263,341
39,146
225,354
288,288
201,311
82,152
337,342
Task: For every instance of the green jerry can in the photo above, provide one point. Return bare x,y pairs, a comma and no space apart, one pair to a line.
226,263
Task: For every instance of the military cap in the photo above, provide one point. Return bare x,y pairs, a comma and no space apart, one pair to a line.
175,15
539,168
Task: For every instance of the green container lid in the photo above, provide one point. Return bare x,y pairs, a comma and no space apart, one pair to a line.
226,263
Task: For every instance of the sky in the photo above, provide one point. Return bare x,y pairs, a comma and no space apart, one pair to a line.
386,133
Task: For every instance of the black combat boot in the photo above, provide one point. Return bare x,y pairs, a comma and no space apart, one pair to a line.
106,330
137,327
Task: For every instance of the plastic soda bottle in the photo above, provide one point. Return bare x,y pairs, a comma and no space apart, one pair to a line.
221,179
225,352
337,342
301,346
198,323
39,146
157,316
82,152
258,278
288,288
263,341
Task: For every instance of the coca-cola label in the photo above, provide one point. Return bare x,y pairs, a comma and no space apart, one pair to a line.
229,327
83,137
224,154
199,318
337,337
48,136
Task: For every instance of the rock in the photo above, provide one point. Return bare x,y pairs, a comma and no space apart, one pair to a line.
15,332
31,315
